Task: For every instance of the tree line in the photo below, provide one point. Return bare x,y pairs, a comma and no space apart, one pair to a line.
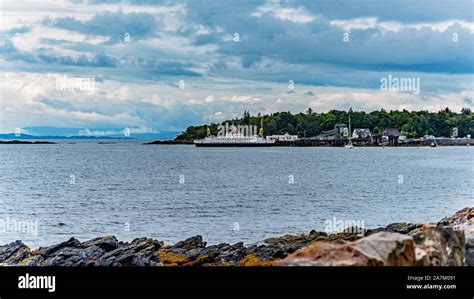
412,124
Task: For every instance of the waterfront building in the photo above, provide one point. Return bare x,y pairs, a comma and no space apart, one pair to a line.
361,133
285,137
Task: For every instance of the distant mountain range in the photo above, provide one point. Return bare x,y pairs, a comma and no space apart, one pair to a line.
80,133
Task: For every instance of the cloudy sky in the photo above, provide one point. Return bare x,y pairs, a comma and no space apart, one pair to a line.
116,64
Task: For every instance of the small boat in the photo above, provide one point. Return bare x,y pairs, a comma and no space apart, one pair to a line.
433,144
349,145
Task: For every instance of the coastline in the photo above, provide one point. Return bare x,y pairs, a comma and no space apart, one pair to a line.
449,242
298,143
322,143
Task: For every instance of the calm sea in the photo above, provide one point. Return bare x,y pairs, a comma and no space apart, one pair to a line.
170,192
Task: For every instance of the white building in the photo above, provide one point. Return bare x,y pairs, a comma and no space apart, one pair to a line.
286,137
361,133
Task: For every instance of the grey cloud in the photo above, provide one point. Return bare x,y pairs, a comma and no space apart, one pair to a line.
112,24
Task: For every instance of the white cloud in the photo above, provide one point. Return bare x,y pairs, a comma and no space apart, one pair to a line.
241,99
135,94
210,99
374,23
274,8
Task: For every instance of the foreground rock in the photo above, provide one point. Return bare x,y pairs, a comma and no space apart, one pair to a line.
379,249
447,243
463,221
106,251
439,246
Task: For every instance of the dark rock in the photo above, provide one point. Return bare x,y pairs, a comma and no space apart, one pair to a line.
212,255
469,256
47,251
461,217
106,243
296,240
13,253
67,256
271,252
374,231
469,235
399,227
53,261
191,243
351,235
36,260
65,261
231,253
25,142
134,259
94,252
402,228
139,252
175,141
279,247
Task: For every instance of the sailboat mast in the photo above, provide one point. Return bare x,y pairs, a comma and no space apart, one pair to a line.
208,133
350,134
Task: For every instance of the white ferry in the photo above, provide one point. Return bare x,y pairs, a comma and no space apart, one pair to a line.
234,139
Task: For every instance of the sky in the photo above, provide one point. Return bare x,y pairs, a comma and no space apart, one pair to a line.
164,65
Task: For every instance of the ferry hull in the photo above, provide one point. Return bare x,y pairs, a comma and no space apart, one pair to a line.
234,145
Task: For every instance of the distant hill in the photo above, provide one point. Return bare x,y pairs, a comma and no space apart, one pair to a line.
160,135
12,136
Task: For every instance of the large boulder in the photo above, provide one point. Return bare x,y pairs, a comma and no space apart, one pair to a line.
320,253
438,246
390,249
463,221
379,249
469,235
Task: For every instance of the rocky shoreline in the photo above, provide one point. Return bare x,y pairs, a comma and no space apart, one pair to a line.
174,141
25,142
450,242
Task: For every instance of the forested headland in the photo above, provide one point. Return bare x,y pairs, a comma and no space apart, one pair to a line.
412,124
